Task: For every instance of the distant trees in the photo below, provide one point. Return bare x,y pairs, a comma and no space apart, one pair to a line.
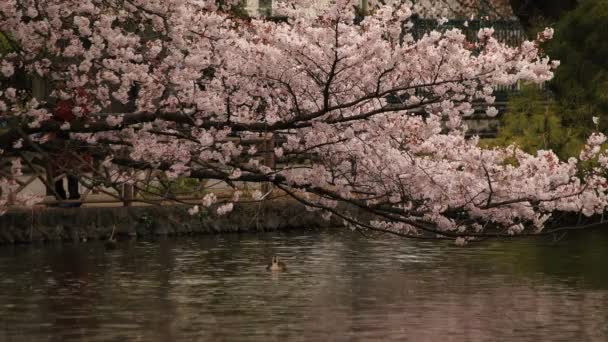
581,83
579,90
535,14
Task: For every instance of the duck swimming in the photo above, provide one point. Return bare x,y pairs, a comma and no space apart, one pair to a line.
276,265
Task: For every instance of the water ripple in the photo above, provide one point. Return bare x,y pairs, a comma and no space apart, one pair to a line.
338,287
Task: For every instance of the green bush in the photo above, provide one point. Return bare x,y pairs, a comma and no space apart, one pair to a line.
534,122
5,47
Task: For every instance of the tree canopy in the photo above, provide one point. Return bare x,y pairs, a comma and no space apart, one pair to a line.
581,84
535,14
204,87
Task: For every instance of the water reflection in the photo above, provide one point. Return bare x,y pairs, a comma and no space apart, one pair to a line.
340,287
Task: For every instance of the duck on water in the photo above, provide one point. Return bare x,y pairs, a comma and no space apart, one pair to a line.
276,265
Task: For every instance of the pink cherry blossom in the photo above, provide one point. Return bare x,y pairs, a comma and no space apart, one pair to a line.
359,121
225,208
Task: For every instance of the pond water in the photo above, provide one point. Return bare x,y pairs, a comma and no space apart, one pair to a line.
340,286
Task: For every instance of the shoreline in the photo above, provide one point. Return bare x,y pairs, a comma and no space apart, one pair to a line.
41,225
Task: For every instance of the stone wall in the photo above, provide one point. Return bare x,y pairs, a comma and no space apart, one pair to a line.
58,224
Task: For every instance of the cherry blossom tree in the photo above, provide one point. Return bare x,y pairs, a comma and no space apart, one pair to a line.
364,122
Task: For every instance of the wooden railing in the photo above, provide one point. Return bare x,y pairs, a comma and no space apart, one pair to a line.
44,173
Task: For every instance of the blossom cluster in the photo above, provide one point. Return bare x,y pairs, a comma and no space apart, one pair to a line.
353,114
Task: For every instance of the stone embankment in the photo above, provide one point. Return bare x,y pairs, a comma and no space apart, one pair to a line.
80,224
